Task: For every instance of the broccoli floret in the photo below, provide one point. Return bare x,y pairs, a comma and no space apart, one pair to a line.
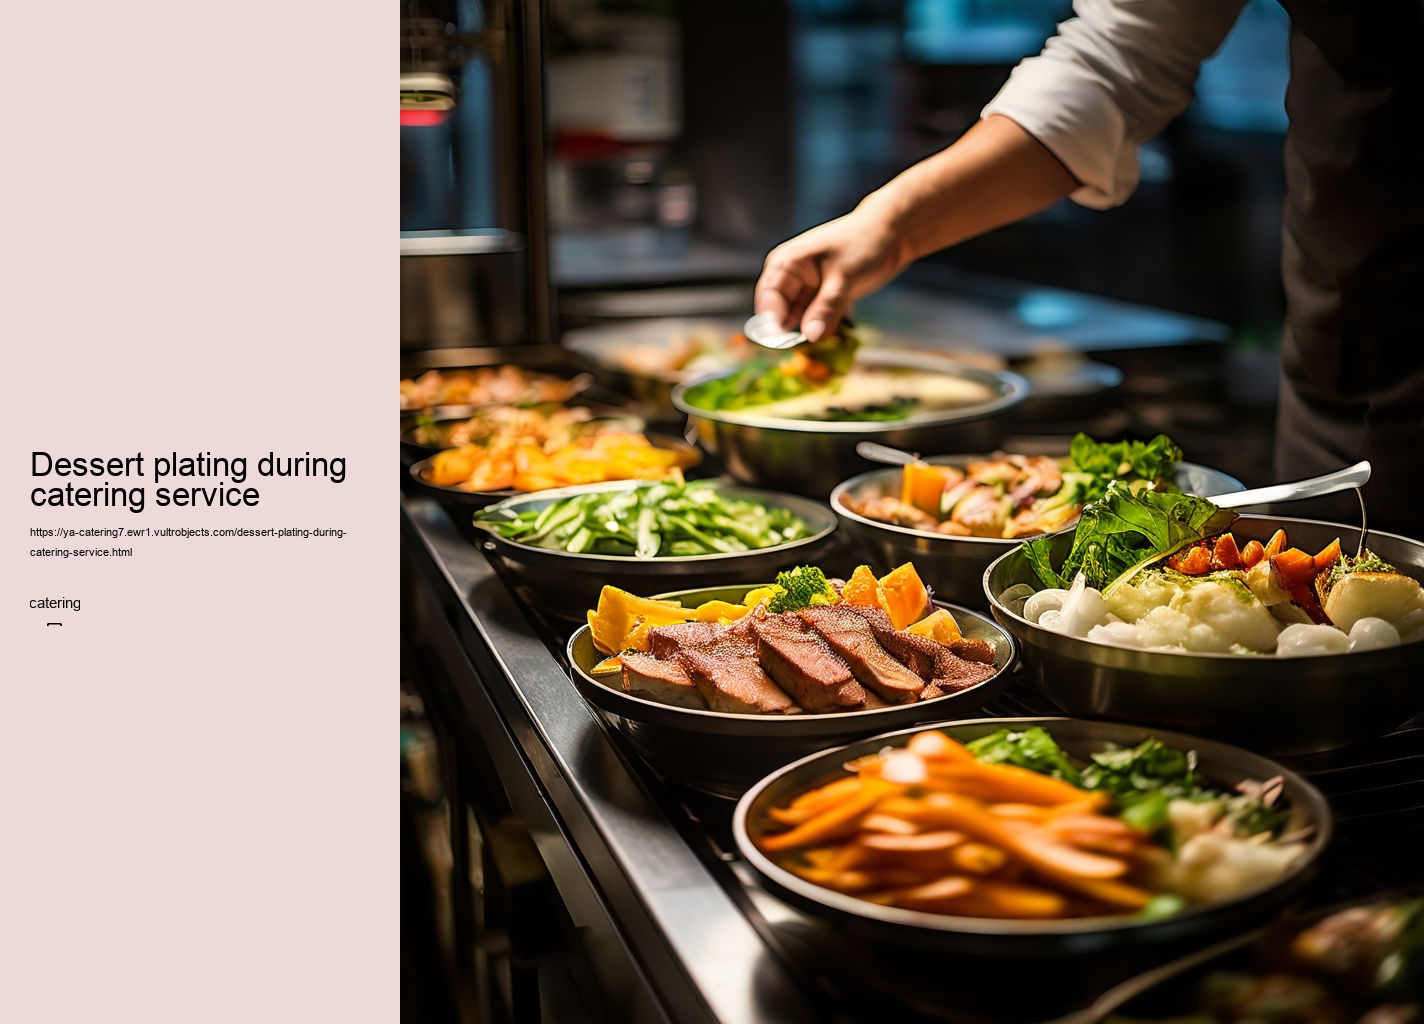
802,587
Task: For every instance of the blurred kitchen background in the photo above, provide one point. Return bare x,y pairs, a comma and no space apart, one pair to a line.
619,164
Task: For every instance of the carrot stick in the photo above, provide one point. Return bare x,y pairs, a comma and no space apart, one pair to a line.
994,898
839,822
935,745
813,802
1012,784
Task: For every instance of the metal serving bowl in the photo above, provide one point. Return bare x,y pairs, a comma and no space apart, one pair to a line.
810,457
722,753
414,447
566,585
460,500
958,563
1279,705
1224,766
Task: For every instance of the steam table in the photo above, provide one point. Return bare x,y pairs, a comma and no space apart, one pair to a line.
599,893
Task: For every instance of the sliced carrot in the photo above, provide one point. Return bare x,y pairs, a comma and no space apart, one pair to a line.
995,898
1328,556
937,896
838,822
1252,553
1019,812
1293,568
1113,892
1194,561
920,842
889,825
813,802
933,744
1275,545
1225,554
1011,784
978,858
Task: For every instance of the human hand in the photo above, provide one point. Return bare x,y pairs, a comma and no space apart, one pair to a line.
811,280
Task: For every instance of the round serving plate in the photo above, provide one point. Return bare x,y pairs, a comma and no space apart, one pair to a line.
958,563
723,754
1277,705
566,585
810,456
1224,766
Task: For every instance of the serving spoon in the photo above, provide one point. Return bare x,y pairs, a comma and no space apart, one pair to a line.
884,453
766,332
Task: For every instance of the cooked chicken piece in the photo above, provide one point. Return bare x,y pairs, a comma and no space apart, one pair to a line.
952,529
999,470
983,512
886,509
664,681
1030,523
736,685
798,659
1040,475
849,637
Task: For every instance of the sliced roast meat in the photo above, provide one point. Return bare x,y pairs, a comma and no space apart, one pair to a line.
849,637
664,681
929,659
972,650
798,659
735,685
665,641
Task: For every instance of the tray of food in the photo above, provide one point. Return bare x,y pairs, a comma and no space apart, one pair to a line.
467,388
426,434
565,545
475,475
1033,837
716,686
1363,961
1284,634
955,514
793,419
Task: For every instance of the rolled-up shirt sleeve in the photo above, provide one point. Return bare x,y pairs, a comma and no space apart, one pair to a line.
1112,78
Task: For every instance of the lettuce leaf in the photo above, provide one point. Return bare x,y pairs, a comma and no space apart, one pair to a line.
1150,460
1125,531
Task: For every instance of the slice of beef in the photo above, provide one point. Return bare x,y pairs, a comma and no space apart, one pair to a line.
956,673
929,659
734,641
972,650
917,653
849,637
664,681
735,685
665,641
798,659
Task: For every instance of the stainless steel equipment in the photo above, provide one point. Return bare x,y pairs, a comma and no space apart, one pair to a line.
1223,765
957,564
1276,705
810,457
722,753
566,585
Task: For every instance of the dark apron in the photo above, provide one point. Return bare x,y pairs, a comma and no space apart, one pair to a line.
1352,355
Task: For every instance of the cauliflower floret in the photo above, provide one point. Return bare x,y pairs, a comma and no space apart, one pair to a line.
1221,619
1212,866
1190,817
1132,601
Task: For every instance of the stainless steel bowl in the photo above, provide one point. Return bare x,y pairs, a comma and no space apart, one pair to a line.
1278,705
566,585
1223,765
957,564
723,754
811,457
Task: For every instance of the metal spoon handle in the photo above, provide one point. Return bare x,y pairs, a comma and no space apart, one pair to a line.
884,453
766,332
1340,480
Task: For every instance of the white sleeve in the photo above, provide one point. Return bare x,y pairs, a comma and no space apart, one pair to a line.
1112,78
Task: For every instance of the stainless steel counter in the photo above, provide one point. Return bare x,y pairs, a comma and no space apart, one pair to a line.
631,905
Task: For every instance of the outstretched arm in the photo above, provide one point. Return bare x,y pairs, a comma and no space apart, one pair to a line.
1068,122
